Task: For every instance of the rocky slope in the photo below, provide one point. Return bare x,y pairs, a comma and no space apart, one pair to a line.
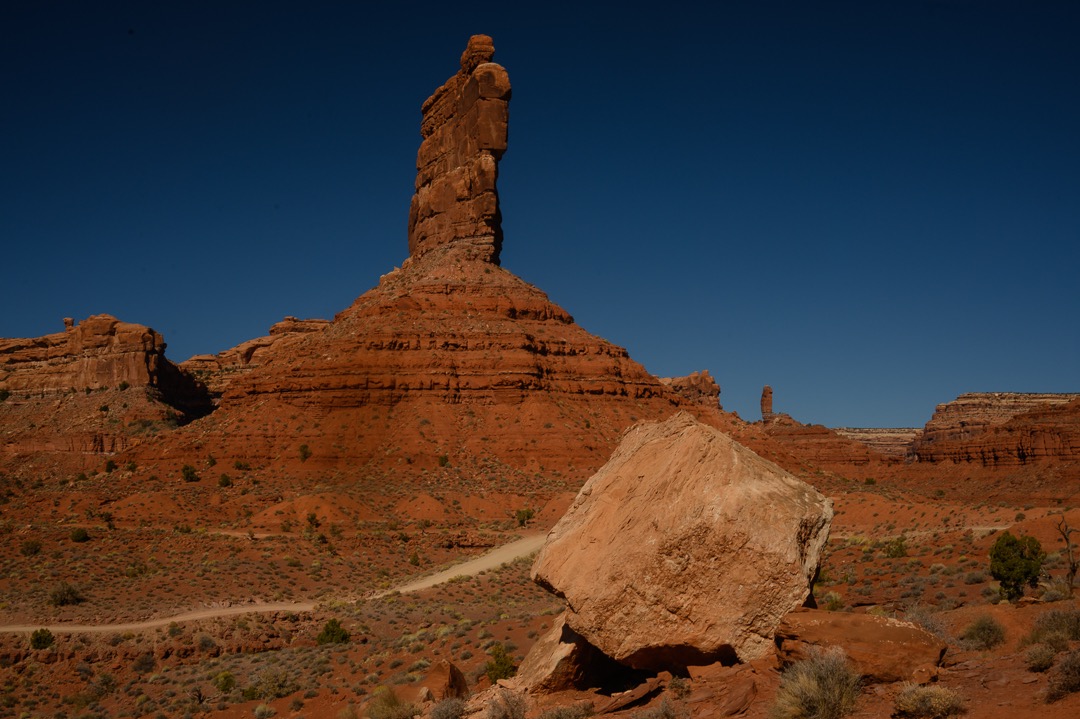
891,442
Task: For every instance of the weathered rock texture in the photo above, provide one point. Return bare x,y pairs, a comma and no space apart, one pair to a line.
766,403
98,353
217,371
685,548
1002,429
464,128
698,387
890,442
882,649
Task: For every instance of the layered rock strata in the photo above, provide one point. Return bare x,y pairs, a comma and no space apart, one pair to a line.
464,128
890,442
685,548
697,387
1002,429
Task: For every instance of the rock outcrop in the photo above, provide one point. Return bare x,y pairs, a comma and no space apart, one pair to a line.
98,353
1002,429
451,364
685,548
697,387
464,128
818,445
882,649
890,442
766,403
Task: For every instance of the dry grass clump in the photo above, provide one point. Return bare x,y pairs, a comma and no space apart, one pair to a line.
1039,657
385,704
575,711
505,705
1066,678
983,633
1061,622
930,702
663,710
824,686
452,708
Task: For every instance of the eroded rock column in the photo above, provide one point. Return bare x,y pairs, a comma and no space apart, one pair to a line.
464,128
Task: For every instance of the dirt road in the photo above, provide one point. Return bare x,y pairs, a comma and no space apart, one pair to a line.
495,558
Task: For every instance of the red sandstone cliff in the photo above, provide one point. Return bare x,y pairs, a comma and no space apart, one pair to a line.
1003,429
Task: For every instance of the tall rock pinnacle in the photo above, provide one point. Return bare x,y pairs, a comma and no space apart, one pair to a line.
464,127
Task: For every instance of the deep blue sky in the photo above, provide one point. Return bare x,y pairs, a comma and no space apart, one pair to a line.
871,206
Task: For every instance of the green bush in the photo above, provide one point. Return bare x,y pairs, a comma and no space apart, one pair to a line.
984,632
4,394
305,452
110,465
896,549
224,682
501,664
224,480
41,639
333,633
823,686
79,535
188,473
30,547
1066,678
1014,562
930,702
523,516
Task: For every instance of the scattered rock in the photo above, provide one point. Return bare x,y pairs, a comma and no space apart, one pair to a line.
882,649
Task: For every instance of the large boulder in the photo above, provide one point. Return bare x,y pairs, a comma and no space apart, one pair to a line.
685,548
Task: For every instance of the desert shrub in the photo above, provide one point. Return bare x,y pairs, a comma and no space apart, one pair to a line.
823,686
930,702
928,621
1056,590
663,710
41,639
574,711
188,473
110,465
1014,562
444,460
224,682
241,465
1063,622
505,705
224,480
1039,657
144,663
1066,678
333,633
984,632
896,549
832,602
64,594
30,547
501,664
385,704
271,684
452,708
305,452
79,535
264,711
523,516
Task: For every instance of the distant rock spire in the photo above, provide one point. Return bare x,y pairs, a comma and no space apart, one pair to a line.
464,127
766,403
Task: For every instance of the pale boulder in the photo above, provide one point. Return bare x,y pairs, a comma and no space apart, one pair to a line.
685,548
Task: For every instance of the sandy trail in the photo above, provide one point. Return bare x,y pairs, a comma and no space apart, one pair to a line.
495,558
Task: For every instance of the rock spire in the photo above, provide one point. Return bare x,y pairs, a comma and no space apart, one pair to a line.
464,127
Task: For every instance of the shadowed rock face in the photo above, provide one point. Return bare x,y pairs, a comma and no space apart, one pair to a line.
465,132
685,548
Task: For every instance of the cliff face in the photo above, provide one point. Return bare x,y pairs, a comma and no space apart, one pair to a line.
891,442
101,352
1003,429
